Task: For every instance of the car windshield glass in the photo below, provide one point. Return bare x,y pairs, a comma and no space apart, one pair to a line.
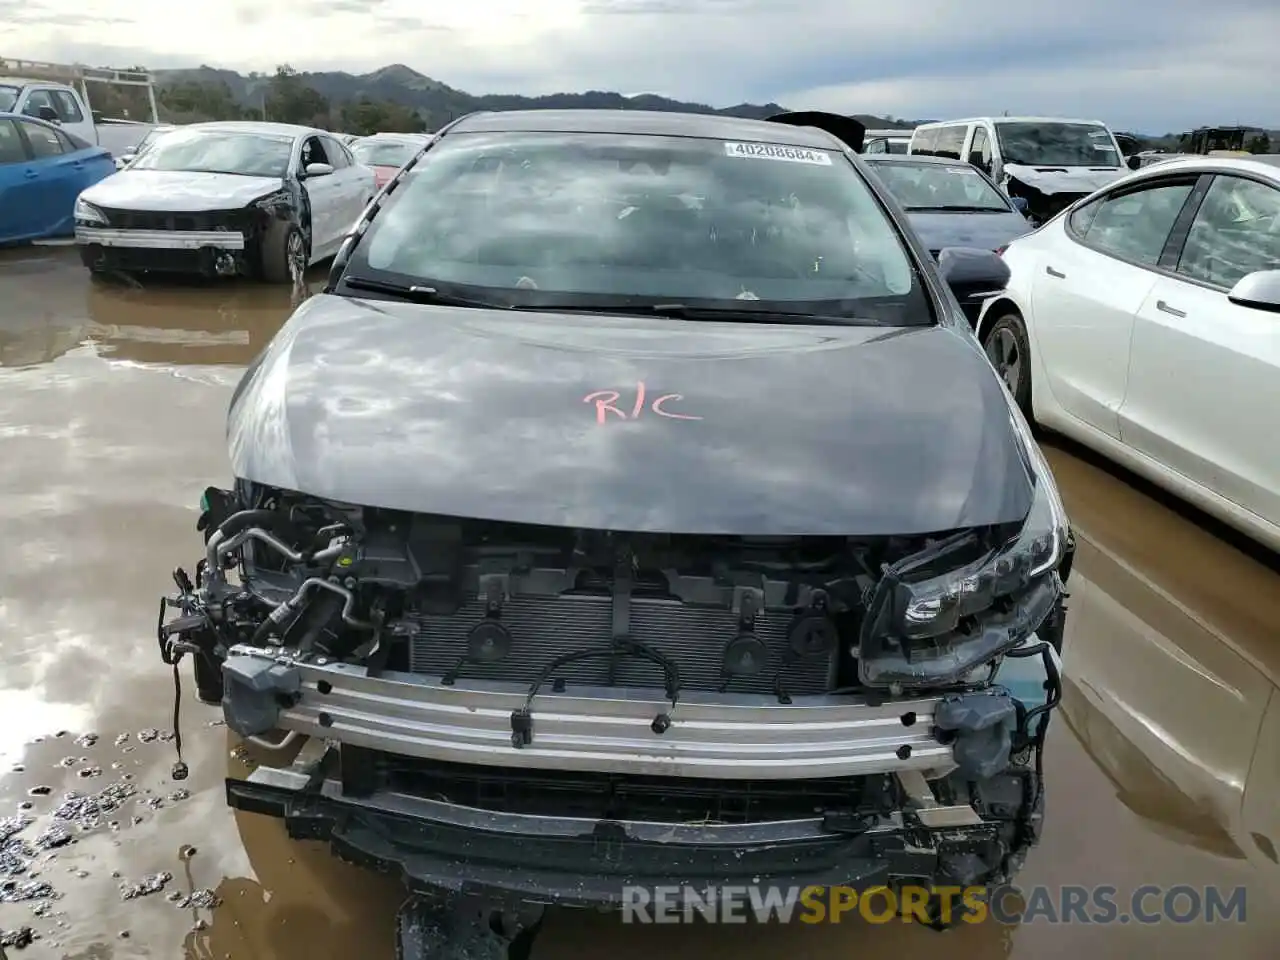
1050,144
603,218
385,153
8,97
219,151
938,186
148,140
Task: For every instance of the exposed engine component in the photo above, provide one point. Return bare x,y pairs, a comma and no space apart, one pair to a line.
485,601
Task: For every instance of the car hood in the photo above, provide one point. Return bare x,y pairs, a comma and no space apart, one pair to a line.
741,428
1050,180
986,231
176,190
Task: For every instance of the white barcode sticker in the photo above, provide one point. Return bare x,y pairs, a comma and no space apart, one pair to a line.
775,151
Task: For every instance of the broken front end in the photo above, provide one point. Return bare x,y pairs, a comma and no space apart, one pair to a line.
632,709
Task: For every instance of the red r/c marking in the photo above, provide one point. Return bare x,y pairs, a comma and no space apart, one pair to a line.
657,407
605,401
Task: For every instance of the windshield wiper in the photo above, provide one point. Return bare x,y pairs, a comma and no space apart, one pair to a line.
421,294
681,311
955,209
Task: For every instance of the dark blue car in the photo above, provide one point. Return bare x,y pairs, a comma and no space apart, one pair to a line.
951,203
42,171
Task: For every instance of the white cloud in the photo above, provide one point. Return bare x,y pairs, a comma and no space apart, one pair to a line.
1149,64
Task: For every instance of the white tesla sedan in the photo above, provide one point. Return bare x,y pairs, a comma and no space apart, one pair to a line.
1144,322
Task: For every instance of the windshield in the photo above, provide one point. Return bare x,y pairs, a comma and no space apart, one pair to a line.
645,220
8,97
218,151
385,153
938,186
151,137
1056,144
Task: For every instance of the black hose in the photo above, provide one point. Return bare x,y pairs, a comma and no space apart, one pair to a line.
256,518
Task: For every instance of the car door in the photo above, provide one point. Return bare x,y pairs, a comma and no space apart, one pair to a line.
1098,266
980,149
355,191
72,115
1204,382
59,174
325,195
19,202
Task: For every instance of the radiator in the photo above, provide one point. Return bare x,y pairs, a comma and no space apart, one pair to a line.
544,628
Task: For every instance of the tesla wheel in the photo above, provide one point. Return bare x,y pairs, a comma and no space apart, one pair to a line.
1009,351
284,254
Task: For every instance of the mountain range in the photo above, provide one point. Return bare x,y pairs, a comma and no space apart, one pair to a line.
438,102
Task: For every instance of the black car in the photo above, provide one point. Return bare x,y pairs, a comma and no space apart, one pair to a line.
951,203
635,507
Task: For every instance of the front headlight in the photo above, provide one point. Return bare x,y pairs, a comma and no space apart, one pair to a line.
937,616
88,214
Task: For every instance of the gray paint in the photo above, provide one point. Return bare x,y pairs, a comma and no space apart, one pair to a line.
479,413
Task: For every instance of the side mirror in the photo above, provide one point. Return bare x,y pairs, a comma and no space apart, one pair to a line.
1260,291
1020,204
1134,162
97,115
47,114
318,169
971,273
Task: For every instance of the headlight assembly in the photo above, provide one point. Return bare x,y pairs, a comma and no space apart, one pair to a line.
937,615
88,214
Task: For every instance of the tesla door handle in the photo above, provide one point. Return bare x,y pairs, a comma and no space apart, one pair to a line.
1054,273
32,174
1172,311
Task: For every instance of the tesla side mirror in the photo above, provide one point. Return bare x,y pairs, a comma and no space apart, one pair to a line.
97,115
1134,162
48,114
318,169
1020,204
1260,290
971,273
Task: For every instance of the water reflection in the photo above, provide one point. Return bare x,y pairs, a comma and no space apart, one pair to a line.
176,322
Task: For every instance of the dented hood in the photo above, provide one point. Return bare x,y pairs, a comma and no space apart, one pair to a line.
1051,180
631,424
166,191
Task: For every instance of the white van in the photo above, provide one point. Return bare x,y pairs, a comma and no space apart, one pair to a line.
1049,162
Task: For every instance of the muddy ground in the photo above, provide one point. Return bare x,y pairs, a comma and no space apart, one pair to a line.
1163,768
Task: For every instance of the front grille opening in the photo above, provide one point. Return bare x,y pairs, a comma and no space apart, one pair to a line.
598,796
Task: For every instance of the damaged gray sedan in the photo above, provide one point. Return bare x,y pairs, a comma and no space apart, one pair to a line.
634,506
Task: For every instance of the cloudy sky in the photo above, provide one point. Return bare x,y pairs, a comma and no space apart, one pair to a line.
1148,65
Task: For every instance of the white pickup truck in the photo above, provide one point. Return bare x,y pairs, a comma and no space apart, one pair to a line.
60,94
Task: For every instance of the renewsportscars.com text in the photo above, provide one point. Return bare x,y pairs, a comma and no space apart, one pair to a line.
1101,904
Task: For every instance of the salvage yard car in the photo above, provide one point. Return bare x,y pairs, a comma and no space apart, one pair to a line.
1048,162
635,506
1145,323
225,199
42,171
950,203
386,153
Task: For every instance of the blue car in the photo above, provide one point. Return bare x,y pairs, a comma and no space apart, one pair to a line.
42,171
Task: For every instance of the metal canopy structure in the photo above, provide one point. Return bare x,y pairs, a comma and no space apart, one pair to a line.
81,76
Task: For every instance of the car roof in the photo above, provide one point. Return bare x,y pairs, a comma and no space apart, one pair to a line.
27,81
948,123
915,158
397,137
1263,164
646,122
9,115
255,126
